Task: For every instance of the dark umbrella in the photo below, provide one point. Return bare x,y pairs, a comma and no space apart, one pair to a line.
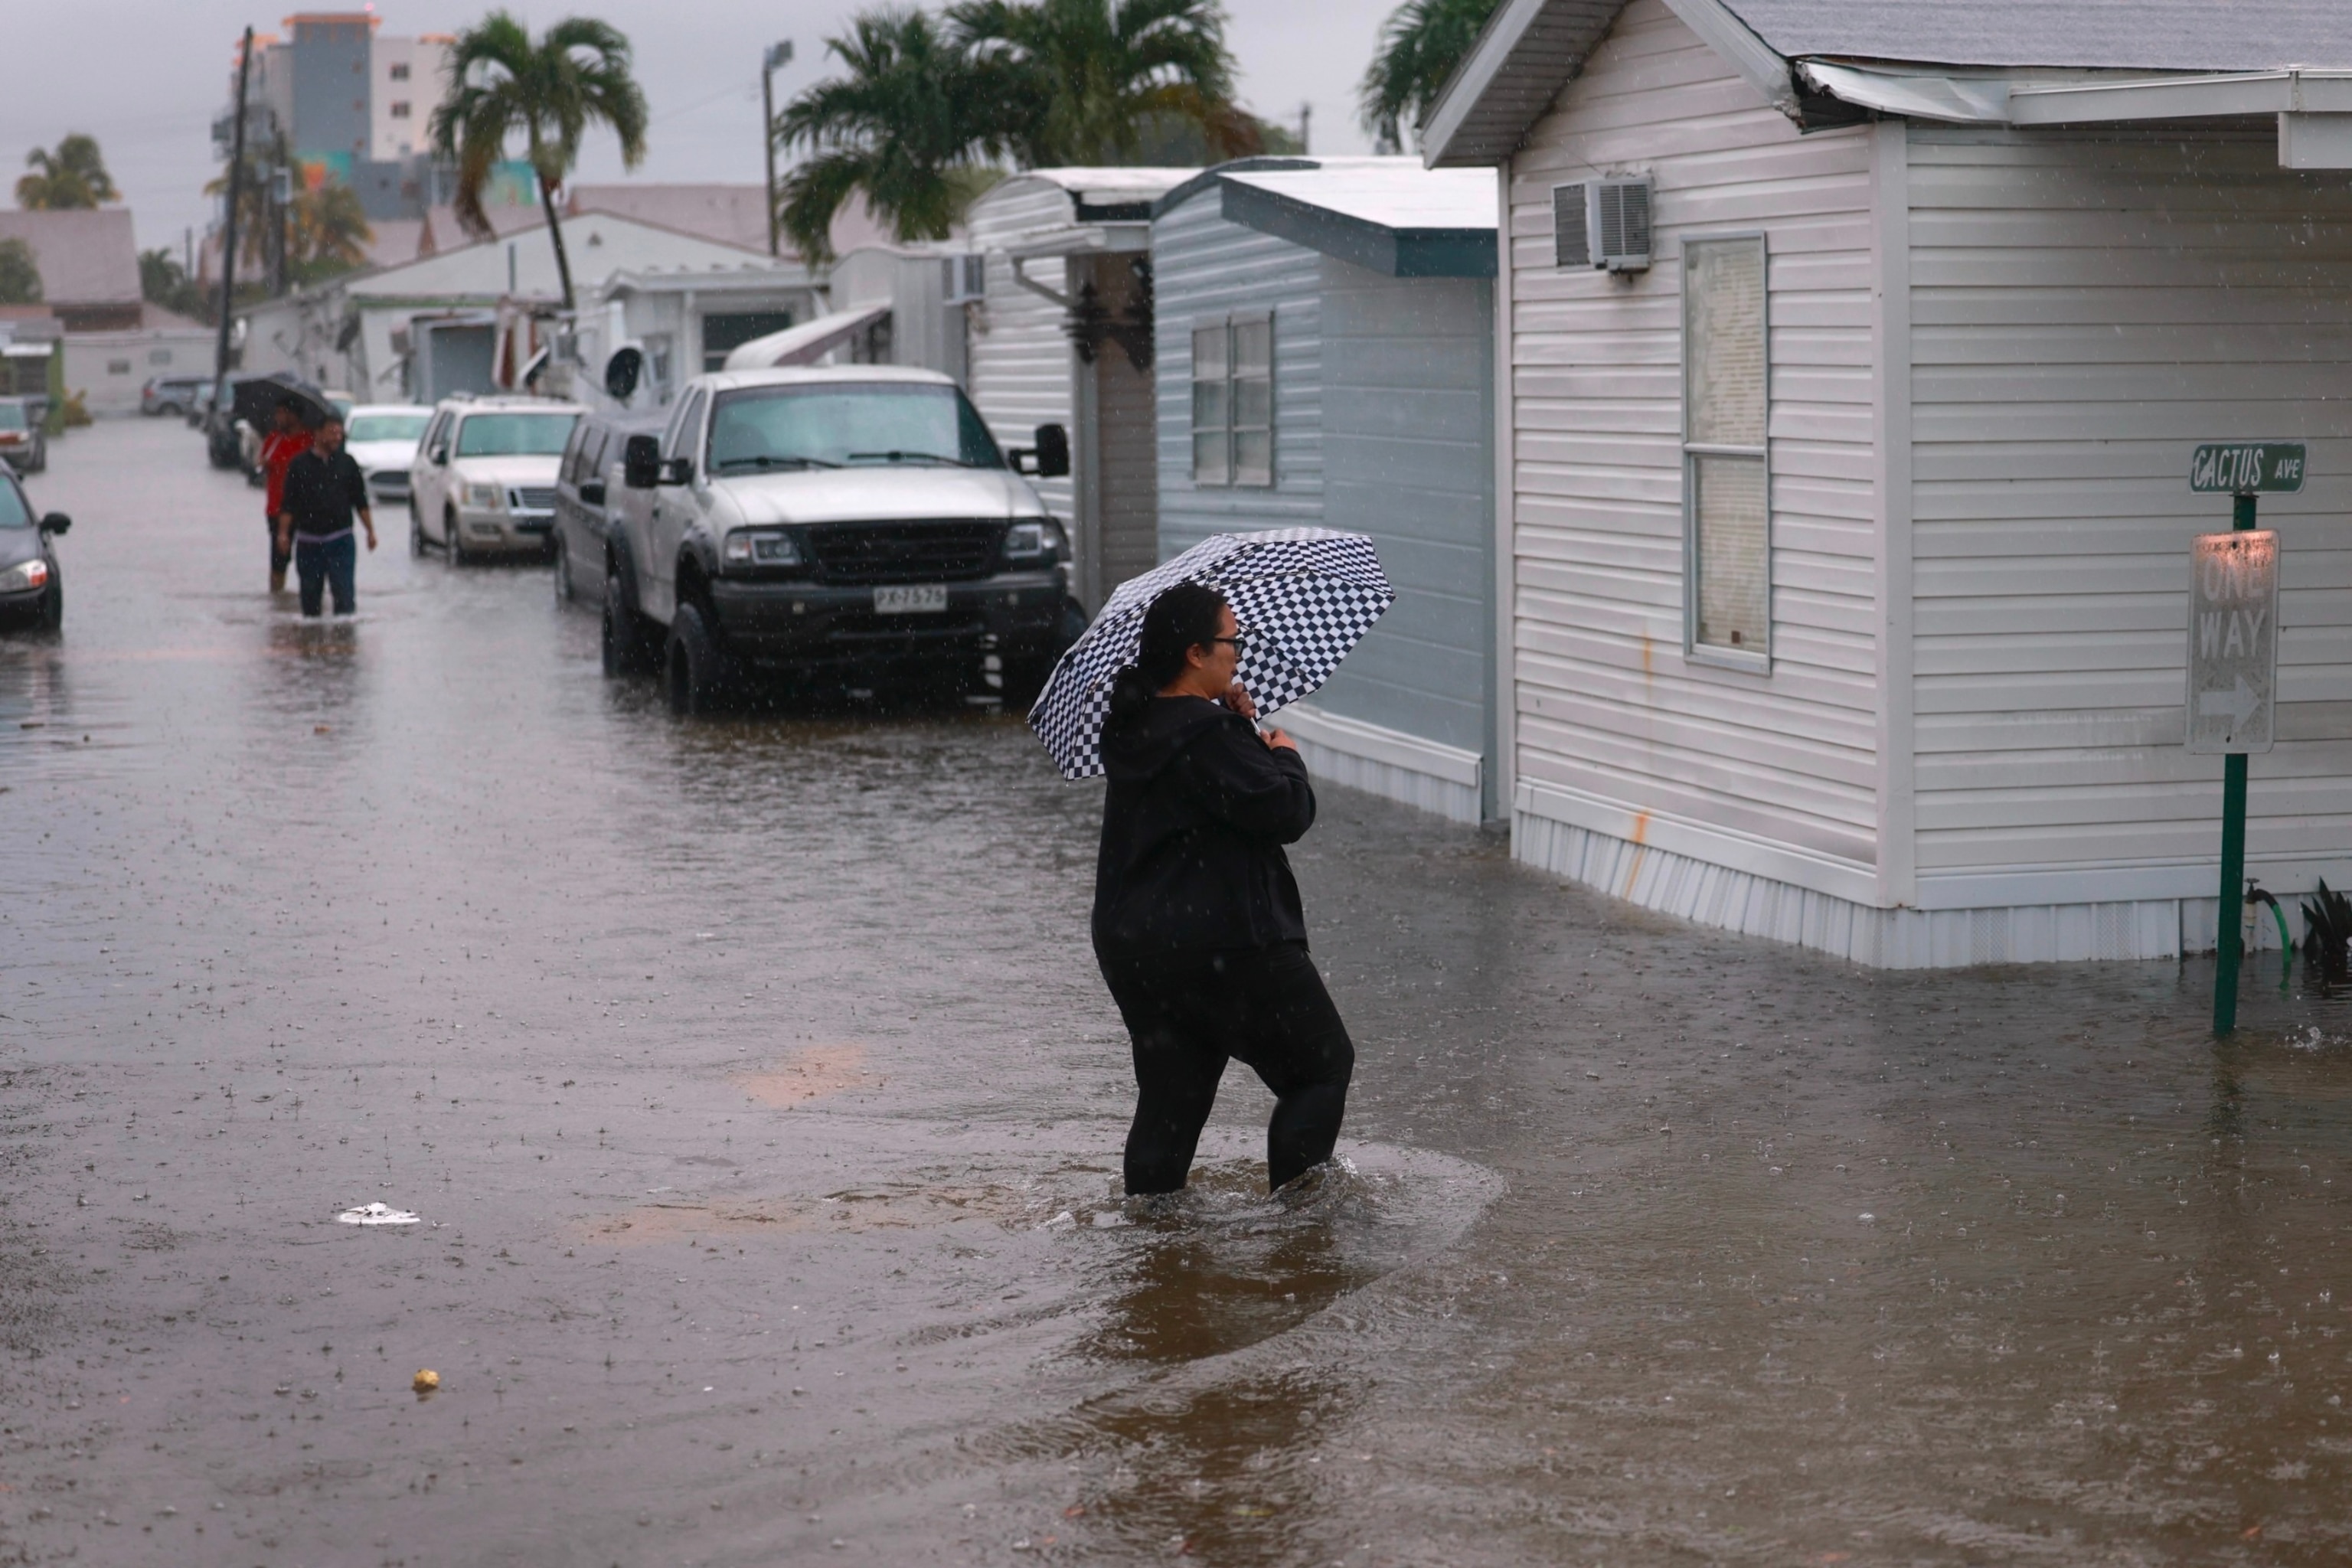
1303,596
258,398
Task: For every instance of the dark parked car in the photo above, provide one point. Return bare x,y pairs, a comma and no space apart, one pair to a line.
32,589
24,447
584,513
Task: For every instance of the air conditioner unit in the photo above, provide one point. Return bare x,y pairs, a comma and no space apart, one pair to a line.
963,278
1602,224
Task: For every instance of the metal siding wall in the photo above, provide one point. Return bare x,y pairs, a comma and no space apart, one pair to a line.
2083,310
1605,703
1407,451
1019,356
1203,267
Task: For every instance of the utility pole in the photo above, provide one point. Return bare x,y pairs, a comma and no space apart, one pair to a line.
1305,119
228,229
777,56
281,226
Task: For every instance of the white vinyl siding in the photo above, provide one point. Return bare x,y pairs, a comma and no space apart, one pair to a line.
1726,480
2085,309
1019,365
1608,707
1209,272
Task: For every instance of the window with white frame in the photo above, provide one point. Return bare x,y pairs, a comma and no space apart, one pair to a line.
1232,402
1727,477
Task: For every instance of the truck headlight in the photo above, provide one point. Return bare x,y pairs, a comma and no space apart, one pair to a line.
487,497
30,575
762,548
1040,541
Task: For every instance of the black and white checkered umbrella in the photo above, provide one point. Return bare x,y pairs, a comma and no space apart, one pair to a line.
1303,596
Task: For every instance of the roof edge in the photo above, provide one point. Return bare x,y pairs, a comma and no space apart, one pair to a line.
1488,53
1416,252
1210,177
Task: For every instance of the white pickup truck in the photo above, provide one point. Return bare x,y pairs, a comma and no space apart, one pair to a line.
855,525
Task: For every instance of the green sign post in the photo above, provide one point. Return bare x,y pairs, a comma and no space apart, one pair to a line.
2232,660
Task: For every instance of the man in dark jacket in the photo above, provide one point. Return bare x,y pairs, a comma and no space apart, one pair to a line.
323,489
1197,922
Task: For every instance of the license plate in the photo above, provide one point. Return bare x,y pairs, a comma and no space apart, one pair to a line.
926,599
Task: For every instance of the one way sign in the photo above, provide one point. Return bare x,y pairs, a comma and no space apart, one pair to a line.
2232,640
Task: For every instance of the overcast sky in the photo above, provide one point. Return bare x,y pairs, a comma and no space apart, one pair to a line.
146,80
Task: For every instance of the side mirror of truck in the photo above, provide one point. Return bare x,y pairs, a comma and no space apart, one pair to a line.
55,522
641,462
1049,458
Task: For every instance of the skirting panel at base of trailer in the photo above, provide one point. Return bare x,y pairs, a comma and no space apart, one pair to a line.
1386,762
1756,905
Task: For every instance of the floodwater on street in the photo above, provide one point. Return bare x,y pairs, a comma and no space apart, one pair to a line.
762,1106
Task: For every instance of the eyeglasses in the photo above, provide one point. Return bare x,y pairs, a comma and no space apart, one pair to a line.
1241,643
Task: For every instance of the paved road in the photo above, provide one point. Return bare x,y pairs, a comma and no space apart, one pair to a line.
762,1108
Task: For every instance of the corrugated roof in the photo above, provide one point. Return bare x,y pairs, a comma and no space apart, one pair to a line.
2102,35
1531,48
87,256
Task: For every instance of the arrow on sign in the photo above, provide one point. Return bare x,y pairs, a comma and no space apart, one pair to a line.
2238,704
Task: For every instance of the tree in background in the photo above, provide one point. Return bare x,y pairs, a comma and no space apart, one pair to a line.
1421,44
20,280
74,176
501,83
163,281
1088,76
911,127
327,233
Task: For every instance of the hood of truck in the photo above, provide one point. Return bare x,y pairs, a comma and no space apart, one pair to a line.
508,470
906,492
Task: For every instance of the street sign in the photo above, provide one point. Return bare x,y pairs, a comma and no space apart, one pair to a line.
2232,641
2247,467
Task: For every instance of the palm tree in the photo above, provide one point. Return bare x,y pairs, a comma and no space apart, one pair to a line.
576,75
1421,44
911,127
1090,76
73,176
329,232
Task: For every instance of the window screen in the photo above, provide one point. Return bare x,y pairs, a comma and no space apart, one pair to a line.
1232,402
1727,484
1212,423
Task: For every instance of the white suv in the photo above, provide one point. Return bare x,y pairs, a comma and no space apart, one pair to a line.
483,480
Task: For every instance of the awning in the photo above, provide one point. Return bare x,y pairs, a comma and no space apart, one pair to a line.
1077,240
809,341
27,350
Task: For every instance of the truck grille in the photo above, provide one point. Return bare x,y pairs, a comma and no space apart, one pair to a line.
855,553
532,498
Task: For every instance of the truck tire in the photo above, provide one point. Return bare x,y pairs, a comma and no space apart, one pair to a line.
452,547
416,532
627,646
560,555
696,674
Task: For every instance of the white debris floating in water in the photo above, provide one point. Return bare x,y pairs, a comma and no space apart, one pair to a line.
375,1214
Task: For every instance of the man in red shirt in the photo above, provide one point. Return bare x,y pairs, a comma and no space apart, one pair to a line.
287,440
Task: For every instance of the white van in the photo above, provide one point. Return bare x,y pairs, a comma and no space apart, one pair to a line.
854,522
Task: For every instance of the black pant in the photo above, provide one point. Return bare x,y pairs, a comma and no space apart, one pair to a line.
279,559
1187,1013
325,564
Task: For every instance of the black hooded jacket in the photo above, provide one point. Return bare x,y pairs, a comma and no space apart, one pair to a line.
1198,812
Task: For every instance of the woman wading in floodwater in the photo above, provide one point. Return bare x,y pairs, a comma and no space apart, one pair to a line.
1197,923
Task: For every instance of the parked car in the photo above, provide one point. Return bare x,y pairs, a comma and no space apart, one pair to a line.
32,588
586,493
170,395
382,439
24,445
856,522
484,479
224,432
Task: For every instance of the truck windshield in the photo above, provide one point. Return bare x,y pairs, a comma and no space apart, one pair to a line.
14,512
12,417
833,425
515,435
387,426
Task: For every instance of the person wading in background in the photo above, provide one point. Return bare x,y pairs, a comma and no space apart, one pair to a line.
323,487
1197,922
287,440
